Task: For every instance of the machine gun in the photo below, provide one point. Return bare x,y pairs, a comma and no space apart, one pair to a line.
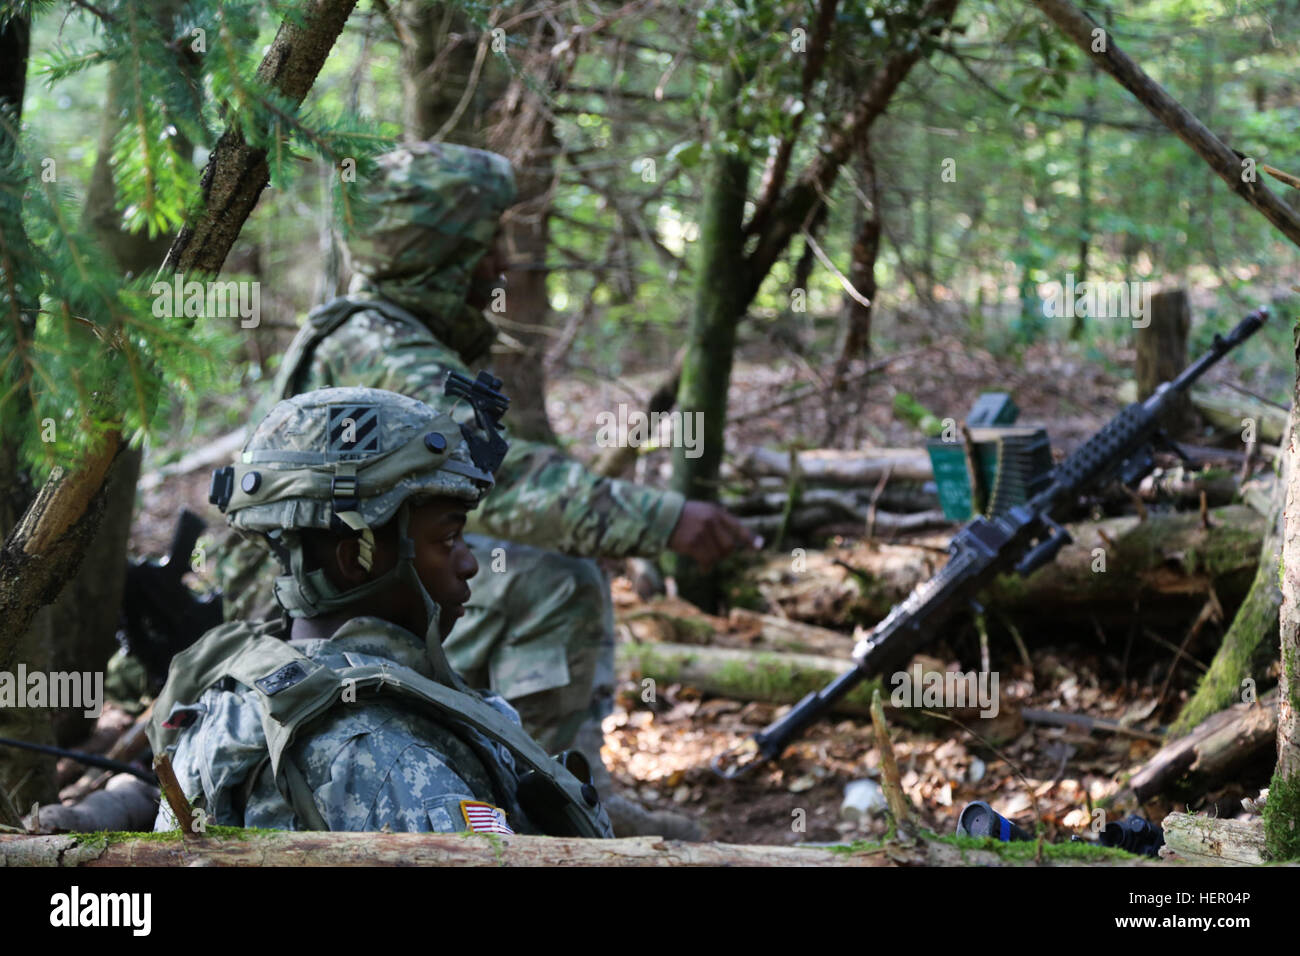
1023,539
160,615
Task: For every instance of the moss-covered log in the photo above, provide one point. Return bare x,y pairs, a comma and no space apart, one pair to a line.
231,847
1168,557
777,678
767,676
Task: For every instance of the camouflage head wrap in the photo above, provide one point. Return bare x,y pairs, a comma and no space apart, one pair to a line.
427,218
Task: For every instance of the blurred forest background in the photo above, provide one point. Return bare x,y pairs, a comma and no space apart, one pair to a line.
829,224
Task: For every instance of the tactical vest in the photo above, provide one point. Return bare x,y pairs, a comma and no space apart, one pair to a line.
320,323
292,690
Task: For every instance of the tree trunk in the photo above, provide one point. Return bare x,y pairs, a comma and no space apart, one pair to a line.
1251,644
1085,191
862,272
729,279
719,304
452,91
1282,811
1162,354
79,639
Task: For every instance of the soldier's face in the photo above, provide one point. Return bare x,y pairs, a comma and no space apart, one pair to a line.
443,561
442,558
487,274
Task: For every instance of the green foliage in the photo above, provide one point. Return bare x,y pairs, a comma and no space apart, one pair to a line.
85,351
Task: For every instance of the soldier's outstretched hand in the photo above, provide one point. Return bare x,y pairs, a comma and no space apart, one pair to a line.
707,533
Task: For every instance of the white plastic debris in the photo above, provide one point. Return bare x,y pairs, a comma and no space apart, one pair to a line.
862,798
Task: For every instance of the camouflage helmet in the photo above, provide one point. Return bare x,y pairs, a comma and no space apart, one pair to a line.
334,450
349,460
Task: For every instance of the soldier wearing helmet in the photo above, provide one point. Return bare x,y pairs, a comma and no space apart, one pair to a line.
539,628
353,719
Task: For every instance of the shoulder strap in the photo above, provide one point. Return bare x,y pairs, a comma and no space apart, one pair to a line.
197,668
294,690
321,322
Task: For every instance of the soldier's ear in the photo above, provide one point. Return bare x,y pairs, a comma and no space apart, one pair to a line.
347,562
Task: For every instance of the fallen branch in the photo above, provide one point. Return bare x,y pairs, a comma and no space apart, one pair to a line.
1086,723
744,675
289,848
832,517
831,466
1216,749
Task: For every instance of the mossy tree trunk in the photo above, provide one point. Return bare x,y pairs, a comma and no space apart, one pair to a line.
1282,811
719,304
1251,644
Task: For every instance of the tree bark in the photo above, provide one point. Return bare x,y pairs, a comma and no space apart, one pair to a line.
1282,811
1162,354
47,546
1251,644
288,848
1223,159
1205,841
862,273
1215,750
711,339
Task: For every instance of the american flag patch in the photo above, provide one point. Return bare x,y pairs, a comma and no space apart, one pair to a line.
484,818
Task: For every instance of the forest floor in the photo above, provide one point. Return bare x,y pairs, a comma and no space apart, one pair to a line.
661,751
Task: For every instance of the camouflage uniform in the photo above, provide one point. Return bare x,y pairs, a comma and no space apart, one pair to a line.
371,765
249,757
539,629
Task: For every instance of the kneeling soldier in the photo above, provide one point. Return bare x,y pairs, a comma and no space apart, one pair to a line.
354,720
